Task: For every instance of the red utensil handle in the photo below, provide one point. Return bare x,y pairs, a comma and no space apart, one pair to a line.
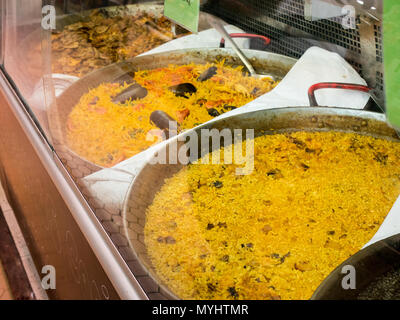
266,40
333,85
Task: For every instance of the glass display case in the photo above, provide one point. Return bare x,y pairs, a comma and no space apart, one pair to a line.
95,83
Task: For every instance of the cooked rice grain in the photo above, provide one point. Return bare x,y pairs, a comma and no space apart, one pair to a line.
313,200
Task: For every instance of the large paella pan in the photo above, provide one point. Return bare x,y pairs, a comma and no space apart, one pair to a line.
203,232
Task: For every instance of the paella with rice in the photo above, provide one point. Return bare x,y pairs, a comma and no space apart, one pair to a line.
103,39
106,133
279,231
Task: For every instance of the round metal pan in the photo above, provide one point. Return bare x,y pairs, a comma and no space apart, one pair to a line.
376,274
264,62
154,7
29,72
152,176
32,43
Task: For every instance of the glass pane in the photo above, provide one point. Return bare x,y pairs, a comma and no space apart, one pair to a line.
22,52
2,12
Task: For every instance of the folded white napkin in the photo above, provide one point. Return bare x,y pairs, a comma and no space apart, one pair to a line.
316,65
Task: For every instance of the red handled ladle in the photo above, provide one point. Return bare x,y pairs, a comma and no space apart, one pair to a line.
340,85
266,40
217,24
345,86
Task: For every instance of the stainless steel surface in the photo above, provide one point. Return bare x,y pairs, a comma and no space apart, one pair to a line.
60,227
264,62
152,176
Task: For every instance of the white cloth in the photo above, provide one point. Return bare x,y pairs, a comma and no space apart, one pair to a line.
316,65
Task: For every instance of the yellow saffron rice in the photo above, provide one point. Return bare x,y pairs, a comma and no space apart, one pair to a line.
107,133
312,201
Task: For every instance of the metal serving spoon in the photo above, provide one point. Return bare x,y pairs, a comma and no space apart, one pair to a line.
217,25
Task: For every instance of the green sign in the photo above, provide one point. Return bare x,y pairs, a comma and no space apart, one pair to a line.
183,12
391,48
